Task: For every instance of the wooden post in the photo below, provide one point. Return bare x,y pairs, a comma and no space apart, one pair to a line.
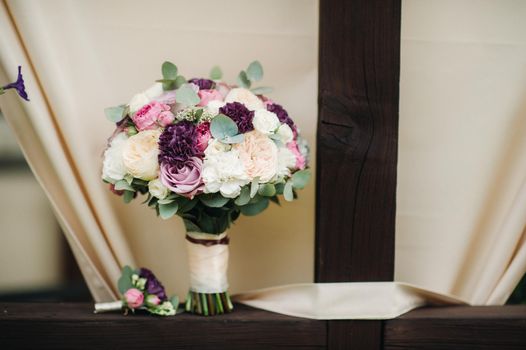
359,67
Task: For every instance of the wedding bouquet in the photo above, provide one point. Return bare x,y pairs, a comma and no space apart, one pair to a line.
207,152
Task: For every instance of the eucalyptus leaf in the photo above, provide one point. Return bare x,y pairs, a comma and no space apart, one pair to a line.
254,187
255,208
287,192
244,196
166,211
280,186
275,199
165,201
255,71
128,178
186,96
169,70
115,114
186,205
179,81
233,139
123,185
190,226
262,90
213,200
128,196
216,73
267,190
125,281
174,301
300,178
242,80
222,127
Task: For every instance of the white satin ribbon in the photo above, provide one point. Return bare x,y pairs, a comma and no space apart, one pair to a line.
208,265
341,301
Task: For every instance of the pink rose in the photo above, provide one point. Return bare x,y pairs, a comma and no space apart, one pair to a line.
300,159
209,95
223,89
203,136
259,155
165,118
266,101
134,298
146,118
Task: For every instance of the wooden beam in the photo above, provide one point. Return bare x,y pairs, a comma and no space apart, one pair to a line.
359,64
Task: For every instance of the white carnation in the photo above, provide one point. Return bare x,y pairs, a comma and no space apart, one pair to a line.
285,133
113,168
286,161
145,97
213,106
245,97
223,172
141,153
157,189
265,122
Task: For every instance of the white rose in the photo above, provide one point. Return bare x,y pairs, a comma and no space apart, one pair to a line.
140,155
286,161
216,146
213,106
113,168
265,122
285,133
157,189
224,172
245,97
145,97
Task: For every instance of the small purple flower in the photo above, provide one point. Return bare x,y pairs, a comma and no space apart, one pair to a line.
18,85
153,286
240,114
178,143
204,84
282,114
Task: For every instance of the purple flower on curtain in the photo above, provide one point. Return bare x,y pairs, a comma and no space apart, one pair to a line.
153,286
18,85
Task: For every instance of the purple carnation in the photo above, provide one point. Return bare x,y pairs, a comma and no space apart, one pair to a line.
240,114
153,286
204,84
282,114
178,143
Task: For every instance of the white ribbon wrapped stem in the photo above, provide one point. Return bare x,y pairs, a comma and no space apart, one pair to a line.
109,306
208,262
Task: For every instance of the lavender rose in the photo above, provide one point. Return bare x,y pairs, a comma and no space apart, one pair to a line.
183,178
153,286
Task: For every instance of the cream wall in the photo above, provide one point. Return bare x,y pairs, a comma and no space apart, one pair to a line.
94,54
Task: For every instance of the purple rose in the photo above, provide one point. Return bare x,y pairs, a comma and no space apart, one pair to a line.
240,114
153,286
183,178
204,84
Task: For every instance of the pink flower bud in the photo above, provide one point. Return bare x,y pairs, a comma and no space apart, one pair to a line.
153,299
134,298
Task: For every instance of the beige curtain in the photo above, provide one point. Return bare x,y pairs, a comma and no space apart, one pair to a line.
461,198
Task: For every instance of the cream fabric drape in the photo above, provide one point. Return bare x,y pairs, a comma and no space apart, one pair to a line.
461,197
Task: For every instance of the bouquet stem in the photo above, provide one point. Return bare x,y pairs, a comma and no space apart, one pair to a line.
208,304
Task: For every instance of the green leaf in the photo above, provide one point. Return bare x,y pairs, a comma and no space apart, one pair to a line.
186,96
115,114
244,196
216,73
166,211
222,127
175,301
185,204
300,178
287,192
242,80
168,84
254,187
233,139
190,226
169,70
280,186
213,200
123,185
275,199
267,190
262,90
165,201
125,281
255,208
128,196
255,71
179,81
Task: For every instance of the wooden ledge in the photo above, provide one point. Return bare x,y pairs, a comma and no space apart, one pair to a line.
74,326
